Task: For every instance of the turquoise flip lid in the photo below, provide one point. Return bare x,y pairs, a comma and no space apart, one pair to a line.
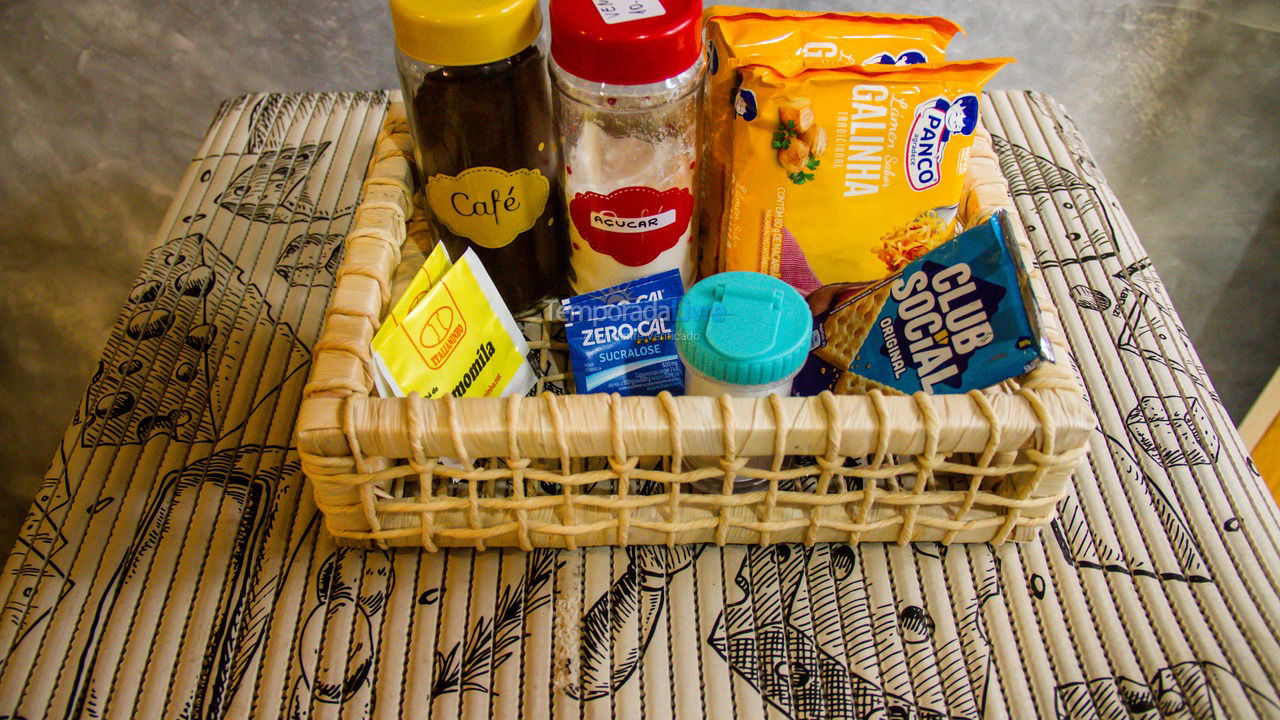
743,328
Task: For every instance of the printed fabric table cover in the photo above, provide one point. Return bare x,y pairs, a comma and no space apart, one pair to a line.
173,564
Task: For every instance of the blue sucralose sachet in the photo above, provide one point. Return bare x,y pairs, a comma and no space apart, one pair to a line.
621,338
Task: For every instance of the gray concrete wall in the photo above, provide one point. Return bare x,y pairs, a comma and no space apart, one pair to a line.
103,102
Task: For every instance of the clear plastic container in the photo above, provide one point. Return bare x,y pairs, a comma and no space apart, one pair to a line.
742,334
627,95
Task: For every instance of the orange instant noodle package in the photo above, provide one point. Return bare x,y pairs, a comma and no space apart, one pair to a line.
791,41
847,174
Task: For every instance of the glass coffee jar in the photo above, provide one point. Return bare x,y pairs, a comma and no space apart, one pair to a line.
628,85
478,99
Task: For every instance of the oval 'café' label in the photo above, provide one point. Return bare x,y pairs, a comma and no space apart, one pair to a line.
487,205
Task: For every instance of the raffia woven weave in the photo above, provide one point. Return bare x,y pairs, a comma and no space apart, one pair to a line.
561,470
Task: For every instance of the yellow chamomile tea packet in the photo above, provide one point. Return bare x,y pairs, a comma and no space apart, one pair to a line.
456,338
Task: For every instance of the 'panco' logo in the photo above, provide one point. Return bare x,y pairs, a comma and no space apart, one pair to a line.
936,121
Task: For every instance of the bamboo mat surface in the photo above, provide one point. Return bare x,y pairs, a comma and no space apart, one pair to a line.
173,564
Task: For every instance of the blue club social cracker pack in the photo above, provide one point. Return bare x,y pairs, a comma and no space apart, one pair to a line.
959,318
621,338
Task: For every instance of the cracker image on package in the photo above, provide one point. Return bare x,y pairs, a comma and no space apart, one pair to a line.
960,318
842,330
863,166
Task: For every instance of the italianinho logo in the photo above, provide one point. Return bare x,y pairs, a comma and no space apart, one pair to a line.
936,121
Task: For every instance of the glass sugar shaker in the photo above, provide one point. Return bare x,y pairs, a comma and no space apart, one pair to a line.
627,79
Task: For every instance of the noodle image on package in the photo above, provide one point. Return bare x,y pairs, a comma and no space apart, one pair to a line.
847,174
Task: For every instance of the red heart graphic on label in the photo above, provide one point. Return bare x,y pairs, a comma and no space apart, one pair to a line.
632,225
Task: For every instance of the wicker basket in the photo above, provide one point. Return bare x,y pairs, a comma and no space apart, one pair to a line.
571,470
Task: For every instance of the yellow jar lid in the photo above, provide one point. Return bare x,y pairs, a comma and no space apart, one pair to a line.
464,32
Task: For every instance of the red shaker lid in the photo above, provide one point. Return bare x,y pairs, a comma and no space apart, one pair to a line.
626,42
